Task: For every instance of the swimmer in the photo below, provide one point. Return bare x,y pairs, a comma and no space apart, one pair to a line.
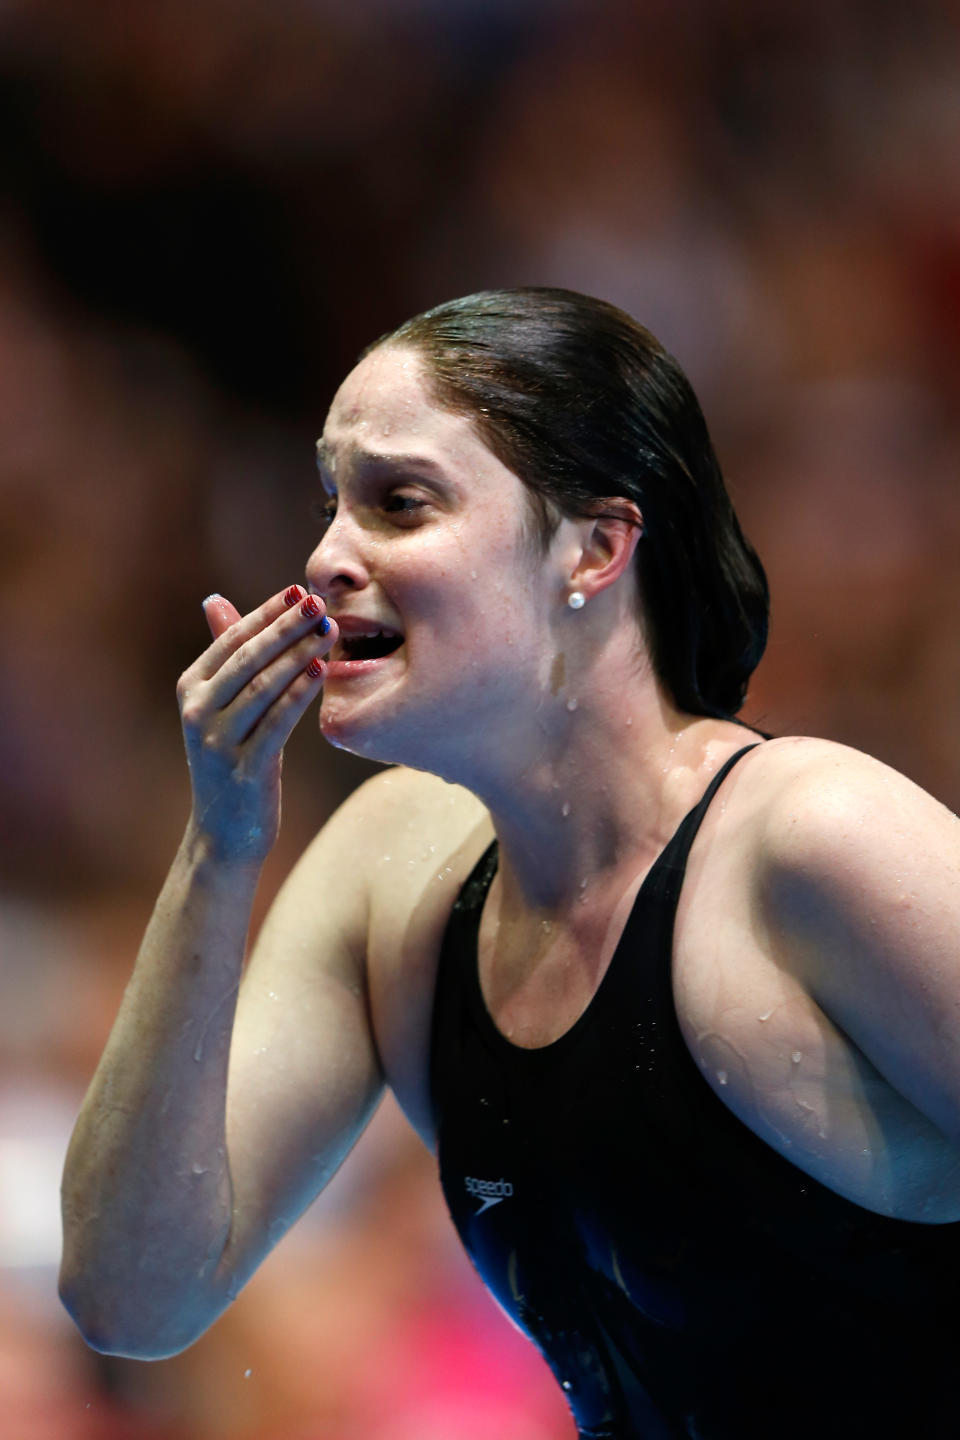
676,1004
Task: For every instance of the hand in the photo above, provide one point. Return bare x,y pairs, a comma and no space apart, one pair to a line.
238,704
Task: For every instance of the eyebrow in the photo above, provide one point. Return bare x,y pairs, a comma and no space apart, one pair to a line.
380,460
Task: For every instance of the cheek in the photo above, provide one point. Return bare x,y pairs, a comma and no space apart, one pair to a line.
471,589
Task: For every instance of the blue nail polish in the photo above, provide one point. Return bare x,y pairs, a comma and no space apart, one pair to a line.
324,627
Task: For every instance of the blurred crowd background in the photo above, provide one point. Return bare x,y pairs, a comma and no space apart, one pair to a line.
207,207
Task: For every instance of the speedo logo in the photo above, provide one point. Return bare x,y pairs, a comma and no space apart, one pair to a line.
490,1192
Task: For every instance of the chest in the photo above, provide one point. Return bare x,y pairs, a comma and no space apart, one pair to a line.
539,978
756,1037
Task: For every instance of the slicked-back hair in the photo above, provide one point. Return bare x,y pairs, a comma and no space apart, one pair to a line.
582,403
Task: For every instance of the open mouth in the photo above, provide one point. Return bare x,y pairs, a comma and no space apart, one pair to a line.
352,648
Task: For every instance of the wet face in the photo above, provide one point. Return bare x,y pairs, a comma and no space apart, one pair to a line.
428,568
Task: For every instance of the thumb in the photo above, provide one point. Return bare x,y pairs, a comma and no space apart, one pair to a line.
219,614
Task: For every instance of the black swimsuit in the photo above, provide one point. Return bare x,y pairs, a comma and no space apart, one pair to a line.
681,1278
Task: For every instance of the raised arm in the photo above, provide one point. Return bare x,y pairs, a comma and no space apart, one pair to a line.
177,1184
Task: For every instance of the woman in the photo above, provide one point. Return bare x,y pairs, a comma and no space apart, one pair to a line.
676,1004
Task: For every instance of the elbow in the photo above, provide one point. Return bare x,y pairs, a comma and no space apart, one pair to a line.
112,1329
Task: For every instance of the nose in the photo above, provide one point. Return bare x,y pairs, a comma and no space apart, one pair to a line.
337,564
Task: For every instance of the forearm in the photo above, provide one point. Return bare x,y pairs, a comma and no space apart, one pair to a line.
147,1198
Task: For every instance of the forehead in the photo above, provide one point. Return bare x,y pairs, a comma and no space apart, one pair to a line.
384,408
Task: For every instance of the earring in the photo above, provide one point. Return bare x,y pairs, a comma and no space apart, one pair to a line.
576,600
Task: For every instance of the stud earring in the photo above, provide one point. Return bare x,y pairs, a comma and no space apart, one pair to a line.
576,600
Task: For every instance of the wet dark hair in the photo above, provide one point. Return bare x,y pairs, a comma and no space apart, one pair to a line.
582,403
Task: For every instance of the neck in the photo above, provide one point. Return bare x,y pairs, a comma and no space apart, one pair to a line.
591,804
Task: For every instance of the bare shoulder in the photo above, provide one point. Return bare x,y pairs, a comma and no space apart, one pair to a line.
858,874
421,837
408,808
821,807
390,818
362,867
367,904
817,971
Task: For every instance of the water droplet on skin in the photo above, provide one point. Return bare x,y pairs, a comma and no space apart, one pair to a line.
722,1077
583,884
629,719
199,1169
767,1014
473,574
796,1057
565,808
545,926
572,703
248,1373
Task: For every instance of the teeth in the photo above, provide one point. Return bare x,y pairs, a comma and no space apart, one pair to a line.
372,633
352,644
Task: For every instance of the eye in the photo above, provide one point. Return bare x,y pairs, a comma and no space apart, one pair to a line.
324,511
402,507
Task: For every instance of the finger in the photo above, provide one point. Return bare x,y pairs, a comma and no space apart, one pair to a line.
260,666
254,702
219,614
273,731
231,630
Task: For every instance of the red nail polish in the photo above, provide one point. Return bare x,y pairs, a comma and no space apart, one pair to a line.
292,596
310,607
315,668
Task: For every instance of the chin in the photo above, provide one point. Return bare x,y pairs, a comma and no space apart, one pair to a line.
388,737
370,737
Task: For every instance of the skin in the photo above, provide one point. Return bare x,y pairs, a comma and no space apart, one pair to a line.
815,959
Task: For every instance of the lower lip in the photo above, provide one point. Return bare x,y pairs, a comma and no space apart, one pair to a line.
356,669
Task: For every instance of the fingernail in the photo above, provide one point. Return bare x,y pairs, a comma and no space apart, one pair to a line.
310,607
315,668
324,627
292,596
215,596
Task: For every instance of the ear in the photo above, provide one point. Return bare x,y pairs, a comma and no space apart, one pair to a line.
610,535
